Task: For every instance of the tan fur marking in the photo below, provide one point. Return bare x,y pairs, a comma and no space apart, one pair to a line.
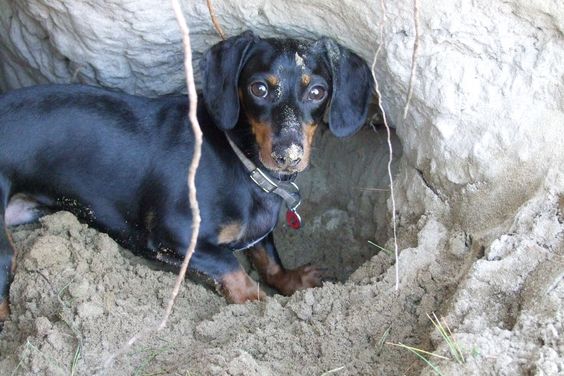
263,136
309,133
306,79
238,287
272,80
230,232
4,310
264,264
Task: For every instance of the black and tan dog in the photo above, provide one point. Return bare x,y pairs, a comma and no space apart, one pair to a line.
125,158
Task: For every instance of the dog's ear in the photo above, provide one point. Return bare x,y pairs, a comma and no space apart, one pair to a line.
352,88
220,67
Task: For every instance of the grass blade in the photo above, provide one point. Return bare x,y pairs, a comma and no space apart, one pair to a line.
427,361
386,251
451,343
415,349
459,350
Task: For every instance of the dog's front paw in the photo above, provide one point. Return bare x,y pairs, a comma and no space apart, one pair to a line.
292,280
238,287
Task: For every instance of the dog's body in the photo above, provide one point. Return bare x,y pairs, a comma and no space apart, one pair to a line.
120,161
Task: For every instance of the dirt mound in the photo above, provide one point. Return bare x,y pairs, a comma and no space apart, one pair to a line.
77,297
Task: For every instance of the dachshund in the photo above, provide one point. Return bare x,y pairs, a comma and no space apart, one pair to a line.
119,162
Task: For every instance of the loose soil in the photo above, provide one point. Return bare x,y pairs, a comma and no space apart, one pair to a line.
77,297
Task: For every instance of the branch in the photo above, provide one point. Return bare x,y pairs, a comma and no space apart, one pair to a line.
215,21
192,115
377,88
196,219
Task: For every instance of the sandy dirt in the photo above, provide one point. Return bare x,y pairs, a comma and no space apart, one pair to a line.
77,296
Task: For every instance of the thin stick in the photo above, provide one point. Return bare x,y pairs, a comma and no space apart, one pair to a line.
389,138
413,58
215,22
192,115
333,371
196,219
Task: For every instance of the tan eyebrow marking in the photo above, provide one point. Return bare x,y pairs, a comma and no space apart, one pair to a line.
272,80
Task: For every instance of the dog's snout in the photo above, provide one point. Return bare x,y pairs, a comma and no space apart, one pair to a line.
288,156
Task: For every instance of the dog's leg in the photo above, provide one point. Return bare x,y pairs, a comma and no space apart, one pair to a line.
266,260
7,256
223,267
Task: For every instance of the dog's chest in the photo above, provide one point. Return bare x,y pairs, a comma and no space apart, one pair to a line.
257,224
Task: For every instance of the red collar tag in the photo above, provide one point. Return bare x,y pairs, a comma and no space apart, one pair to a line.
293,219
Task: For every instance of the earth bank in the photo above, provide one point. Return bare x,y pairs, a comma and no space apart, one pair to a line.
479,200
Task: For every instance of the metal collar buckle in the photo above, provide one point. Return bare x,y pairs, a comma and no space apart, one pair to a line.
262,180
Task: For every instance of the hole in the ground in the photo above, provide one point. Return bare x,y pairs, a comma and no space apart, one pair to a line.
344,194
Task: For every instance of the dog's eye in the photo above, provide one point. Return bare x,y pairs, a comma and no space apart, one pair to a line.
259,89
316,93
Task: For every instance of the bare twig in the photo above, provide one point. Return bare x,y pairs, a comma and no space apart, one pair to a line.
196,219
391,150
192,115
215,21
334,370
413,59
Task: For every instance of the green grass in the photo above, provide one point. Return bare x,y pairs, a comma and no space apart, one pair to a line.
419,353
78,351
386,251
383,339
150,355
76,358
445,332
425,356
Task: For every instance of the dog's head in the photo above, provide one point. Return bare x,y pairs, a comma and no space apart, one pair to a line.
283,88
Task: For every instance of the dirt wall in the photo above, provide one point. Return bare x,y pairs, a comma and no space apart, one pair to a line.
479,199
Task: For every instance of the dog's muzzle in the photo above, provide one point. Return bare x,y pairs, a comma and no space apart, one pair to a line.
287,156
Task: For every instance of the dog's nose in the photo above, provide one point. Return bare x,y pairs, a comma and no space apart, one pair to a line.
289,156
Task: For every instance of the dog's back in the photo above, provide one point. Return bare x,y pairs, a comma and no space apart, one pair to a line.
58,128
83,149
